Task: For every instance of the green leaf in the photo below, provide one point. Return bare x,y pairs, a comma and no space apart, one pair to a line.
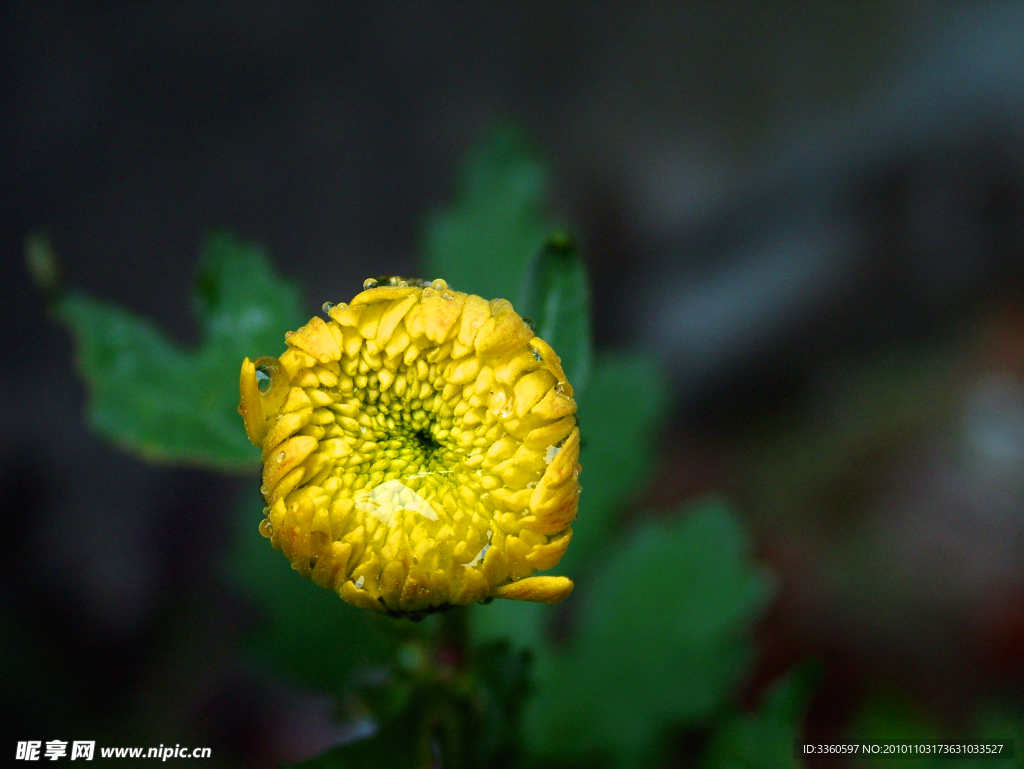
306,631
555,295
173,405
620,415
764,740
483,242
663,639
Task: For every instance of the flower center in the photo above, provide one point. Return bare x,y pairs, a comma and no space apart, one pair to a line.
427,442
398,437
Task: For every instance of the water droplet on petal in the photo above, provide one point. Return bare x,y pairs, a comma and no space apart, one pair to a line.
280,456
479,557
427,293
262,378
327,307
264,490
535,354
266,528
403,284
506,411
532,485
439,285
370,283
359,583
533,327
560,388
447,296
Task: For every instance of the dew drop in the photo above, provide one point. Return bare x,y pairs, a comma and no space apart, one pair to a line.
288,335
266,528
506,411
533,327
280,456
532,485
403,284
327,307
560,388
447,296
427,293
439,285
479,557
535,353
264,490
262,378
370,283
359,583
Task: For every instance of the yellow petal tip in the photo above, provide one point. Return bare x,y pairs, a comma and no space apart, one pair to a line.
536,590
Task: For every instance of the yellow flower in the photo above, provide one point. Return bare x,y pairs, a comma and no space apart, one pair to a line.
419,450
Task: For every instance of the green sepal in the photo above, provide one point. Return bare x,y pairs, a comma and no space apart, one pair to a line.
556,297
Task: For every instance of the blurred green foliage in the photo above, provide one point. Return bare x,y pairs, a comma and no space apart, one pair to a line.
820,458
620,415
661,638
432,713
764,740
891,716
483,243
657,636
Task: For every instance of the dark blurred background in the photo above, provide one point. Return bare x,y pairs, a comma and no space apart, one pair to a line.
813,213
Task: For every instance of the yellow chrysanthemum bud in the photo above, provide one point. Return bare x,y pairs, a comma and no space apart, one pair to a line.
419,450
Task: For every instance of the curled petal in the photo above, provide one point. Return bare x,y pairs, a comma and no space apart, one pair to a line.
536,590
